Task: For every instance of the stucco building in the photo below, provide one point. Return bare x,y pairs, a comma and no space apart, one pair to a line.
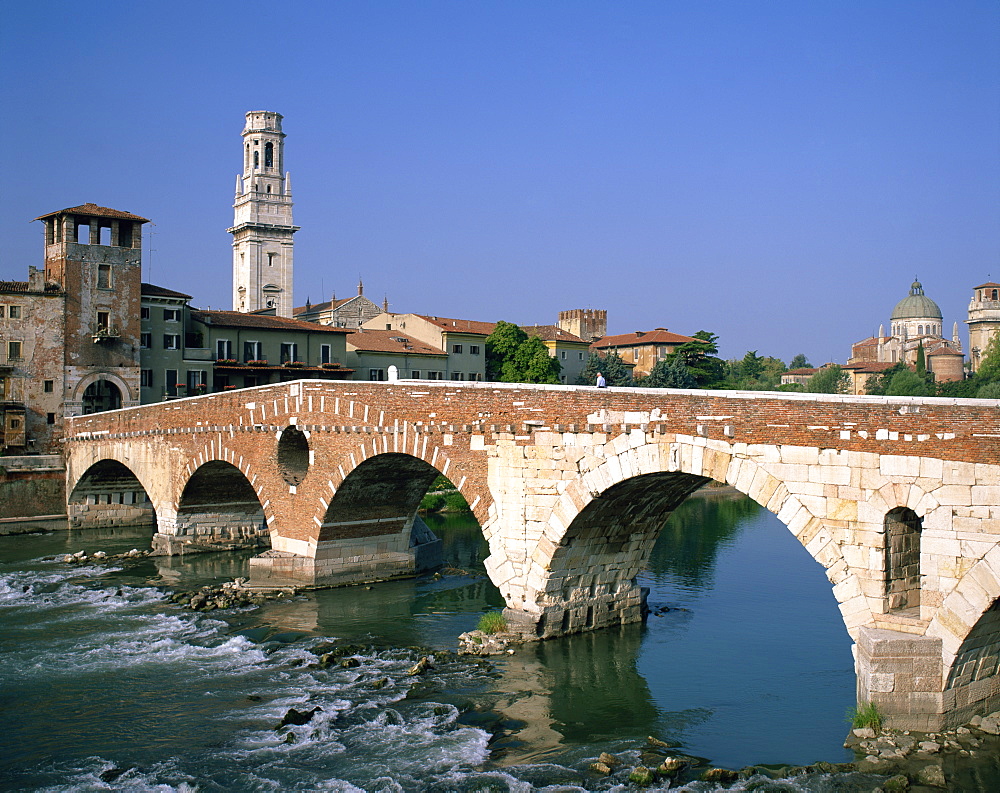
641,349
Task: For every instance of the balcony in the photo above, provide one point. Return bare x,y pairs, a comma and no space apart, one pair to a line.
102,334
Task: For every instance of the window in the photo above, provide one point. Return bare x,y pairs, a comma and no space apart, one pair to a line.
376,374
14,312
145,340
415,374
456,348
197,382
104,275
13,351
48,386
171,341
170,382
562,354
3,309
171,315
324,353
253,351
473,349
456,375
50,418
289,352
103,320
581,356
144,312
269,155
146,378
223,350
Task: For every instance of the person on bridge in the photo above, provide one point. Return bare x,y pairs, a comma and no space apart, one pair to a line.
601,382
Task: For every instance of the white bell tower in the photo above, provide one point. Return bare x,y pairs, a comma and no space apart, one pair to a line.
262,222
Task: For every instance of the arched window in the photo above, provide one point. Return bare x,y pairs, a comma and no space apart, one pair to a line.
256,159
269,188
902,559
994,295
268,155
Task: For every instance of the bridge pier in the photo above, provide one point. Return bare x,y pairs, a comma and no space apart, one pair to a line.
604,606
348,560
903,675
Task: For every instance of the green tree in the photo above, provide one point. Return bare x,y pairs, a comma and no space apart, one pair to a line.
828,380
989,368
699,358
611,366
751,366
799,362
533,364
501,347
989,391
877,384
669,373
906,383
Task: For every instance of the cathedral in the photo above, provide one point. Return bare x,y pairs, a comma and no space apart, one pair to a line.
916,322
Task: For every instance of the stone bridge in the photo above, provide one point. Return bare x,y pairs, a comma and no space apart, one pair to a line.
897,498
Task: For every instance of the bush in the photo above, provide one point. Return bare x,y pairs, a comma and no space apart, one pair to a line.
866,714
455,502
432,502
989,391
492,622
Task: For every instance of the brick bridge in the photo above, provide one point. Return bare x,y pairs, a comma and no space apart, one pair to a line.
897,497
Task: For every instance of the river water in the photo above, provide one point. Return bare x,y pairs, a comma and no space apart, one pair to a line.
105,685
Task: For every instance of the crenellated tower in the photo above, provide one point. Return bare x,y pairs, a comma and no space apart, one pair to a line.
262,223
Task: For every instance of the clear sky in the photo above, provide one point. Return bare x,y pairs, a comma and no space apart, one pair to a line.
775,172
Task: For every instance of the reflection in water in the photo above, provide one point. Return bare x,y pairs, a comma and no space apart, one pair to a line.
690,541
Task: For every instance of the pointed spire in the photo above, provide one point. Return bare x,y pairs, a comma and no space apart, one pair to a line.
385,304
288,183
239,185
361,287
308,304
881,331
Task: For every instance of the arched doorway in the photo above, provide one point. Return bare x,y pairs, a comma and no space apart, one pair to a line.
101,395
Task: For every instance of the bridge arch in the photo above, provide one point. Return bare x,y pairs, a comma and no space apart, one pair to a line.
109,493
566,593
219,507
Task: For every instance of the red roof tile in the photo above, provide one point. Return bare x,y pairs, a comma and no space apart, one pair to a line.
95,211
237,319
161,291
461,325
640,338
13,286
390,341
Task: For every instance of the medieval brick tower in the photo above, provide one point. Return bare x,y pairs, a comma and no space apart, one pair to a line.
93,255
262,224
589,324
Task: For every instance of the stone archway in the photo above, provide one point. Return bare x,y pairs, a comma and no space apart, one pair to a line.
100,391
109,494
218,510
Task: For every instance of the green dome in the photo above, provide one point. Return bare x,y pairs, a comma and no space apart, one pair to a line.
916,305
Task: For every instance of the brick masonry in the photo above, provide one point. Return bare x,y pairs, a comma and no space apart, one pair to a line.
571,485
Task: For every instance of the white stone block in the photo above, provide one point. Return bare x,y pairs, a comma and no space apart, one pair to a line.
897,465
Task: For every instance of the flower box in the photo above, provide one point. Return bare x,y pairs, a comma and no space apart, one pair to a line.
294,364
226,362
330,365
257,363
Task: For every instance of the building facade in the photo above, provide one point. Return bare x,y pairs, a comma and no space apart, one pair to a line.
641,349
463,340
262,224
983,321
351,312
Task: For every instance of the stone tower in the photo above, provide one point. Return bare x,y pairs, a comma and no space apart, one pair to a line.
262,223
983,321
93,255
589,324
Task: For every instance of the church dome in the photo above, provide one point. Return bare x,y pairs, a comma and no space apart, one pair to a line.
916,305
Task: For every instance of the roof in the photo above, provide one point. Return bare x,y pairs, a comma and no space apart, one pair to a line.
237,319
916,305
161,291
95,211
551,333
640,338
461,325
13,286
943,350
315,308
804,371
390,341
988,284
869,366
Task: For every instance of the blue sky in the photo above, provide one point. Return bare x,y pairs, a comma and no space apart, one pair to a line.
775,172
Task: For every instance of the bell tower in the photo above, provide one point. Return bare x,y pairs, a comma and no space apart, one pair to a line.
262,223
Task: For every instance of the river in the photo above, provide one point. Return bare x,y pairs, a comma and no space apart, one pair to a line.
105,685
